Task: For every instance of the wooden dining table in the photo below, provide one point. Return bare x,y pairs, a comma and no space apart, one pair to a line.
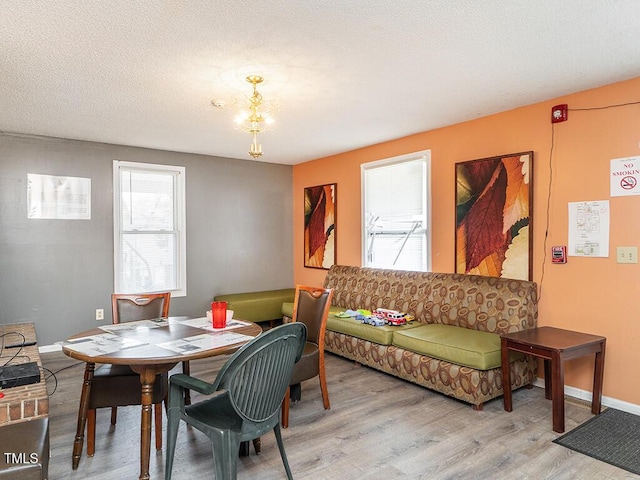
142,352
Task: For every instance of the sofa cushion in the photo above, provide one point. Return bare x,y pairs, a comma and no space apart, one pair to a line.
462,346
355,328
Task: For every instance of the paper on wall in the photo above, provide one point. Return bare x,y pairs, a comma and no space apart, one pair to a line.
589,229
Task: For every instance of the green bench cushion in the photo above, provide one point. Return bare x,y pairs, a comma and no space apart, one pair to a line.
462,346
350,326
287,309
257,306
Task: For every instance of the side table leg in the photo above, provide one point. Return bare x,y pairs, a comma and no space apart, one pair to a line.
548,379
598,378
82,414
557,391
506,377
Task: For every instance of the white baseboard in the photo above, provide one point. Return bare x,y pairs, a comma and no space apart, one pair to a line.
56,347
587,395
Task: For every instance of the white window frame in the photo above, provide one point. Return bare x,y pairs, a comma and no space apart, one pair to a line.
180,217
424,155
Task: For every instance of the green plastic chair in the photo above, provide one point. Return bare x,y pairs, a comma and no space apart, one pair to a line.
245,398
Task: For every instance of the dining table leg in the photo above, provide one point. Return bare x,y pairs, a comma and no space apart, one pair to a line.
147,378
82,414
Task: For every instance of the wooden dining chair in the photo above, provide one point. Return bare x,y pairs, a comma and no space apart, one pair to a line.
311,307
117,385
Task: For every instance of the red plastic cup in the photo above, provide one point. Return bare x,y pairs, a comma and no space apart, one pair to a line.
219,314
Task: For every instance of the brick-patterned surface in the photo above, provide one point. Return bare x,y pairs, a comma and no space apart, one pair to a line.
26,401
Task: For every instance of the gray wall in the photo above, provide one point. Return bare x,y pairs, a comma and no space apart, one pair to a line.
56,273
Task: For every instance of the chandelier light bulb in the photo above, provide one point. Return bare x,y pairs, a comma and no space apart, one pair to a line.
241,117
255,149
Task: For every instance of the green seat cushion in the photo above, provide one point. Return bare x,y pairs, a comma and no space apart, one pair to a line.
355,328
462,346
287,309
257,306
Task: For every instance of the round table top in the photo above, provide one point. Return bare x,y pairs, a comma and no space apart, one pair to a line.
140,344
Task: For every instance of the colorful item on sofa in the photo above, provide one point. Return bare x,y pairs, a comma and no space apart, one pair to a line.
373,321
378,318
392,317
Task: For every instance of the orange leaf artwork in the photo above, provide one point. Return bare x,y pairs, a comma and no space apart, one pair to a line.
493,207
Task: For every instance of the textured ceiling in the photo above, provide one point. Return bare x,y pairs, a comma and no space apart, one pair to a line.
346,74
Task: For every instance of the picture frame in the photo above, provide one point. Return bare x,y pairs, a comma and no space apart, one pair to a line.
320,204
494,216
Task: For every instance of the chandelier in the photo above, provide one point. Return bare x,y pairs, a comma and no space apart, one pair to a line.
254,115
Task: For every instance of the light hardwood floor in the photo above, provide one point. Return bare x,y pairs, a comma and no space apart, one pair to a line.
379,427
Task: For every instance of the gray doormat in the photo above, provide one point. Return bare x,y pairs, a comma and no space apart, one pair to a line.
612,437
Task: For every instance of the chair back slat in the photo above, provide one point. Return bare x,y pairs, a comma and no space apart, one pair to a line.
311,307
130,308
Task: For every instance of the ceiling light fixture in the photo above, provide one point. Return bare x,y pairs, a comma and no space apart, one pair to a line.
254,116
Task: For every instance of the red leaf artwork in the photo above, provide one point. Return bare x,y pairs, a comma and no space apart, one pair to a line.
484,221
315,220
319,226
493,212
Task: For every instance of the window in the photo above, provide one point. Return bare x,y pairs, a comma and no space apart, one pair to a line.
395,216
149,228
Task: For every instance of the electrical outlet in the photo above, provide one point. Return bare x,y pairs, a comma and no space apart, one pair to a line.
627,254
99,313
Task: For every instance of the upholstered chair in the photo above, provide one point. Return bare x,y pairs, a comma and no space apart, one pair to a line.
311,307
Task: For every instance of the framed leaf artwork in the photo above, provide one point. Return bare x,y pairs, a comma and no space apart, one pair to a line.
494,207
320,226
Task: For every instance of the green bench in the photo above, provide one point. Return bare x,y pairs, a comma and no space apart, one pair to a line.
265,306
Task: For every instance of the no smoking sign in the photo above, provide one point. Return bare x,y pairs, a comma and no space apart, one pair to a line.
628,183
625,173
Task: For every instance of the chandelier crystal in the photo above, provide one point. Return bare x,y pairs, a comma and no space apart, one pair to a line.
254,115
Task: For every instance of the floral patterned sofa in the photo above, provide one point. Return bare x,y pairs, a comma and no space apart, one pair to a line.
453,346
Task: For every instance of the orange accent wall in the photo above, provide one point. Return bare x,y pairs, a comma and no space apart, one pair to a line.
592,295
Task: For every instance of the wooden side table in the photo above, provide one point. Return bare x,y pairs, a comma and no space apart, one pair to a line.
554,345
